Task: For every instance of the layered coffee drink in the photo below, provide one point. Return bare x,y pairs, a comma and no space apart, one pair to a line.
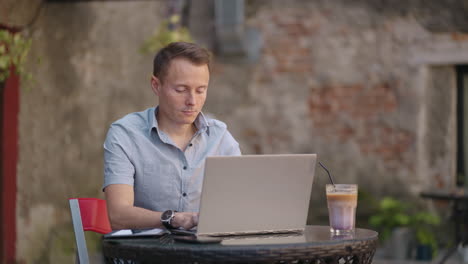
342,203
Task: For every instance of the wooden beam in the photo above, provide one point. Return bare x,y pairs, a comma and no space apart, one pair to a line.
9,158
68,1
9,111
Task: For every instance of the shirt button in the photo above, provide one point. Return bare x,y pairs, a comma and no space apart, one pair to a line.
190,144
185,167
184,194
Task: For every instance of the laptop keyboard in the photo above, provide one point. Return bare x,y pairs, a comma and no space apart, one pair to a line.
261,233
260,236
277,236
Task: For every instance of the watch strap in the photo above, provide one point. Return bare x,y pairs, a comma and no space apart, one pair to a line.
168,223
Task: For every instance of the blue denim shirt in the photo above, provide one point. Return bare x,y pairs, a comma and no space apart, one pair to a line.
163,177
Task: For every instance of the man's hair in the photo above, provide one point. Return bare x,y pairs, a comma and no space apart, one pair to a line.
190,51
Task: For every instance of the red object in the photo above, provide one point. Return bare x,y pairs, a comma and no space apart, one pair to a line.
94,215
9,156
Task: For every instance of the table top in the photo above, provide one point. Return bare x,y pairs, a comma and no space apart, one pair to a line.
443,194
315,242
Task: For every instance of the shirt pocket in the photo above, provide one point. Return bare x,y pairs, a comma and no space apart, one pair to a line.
159,185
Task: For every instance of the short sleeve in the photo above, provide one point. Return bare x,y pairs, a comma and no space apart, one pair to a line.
229,145
118,167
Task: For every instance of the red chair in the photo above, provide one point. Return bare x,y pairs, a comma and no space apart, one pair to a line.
88,214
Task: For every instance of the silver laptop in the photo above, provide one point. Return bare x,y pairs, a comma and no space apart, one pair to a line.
256,194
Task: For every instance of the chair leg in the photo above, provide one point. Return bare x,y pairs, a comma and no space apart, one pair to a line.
448,254
82,250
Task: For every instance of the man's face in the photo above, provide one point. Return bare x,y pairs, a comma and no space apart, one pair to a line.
183,91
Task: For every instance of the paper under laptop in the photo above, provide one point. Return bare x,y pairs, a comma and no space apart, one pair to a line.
256,194
137,232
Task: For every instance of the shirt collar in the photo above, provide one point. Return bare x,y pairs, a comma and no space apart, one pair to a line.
201,123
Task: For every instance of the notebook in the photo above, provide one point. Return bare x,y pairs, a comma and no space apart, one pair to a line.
150,232
256,194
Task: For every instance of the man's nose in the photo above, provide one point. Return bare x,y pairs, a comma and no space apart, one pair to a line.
191,99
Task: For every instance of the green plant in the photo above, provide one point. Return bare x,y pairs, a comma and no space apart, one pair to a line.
164,35
14,48
391,213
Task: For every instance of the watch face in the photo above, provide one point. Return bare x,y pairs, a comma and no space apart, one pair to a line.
166,215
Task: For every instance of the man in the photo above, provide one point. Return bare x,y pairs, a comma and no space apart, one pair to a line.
154,160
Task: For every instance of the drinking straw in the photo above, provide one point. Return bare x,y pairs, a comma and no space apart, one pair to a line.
329,175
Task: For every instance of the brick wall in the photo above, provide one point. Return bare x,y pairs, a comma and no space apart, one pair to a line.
355,84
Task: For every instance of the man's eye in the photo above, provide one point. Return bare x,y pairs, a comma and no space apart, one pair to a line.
180,90
201,90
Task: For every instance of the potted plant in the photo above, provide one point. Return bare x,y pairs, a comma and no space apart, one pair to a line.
423,224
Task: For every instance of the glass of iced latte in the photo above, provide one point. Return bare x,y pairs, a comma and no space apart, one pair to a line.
342,203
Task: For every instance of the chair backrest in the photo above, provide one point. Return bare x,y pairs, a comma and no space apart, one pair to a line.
88,214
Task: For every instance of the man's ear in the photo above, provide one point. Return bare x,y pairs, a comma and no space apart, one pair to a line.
155,85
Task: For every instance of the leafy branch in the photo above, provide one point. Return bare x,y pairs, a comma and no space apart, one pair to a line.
14,48
165,35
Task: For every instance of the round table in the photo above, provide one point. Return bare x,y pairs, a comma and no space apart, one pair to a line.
314,245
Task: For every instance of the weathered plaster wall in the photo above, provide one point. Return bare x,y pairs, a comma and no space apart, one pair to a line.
368,85
441,126
91,74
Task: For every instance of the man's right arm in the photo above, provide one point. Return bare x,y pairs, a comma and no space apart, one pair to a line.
123,215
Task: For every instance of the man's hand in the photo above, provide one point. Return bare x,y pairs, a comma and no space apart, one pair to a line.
185,220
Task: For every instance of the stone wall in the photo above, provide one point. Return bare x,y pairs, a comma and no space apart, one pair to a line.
91,74
367,85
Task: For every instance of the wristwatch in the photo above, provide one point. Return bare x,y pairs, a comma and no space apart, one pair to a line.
166,218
